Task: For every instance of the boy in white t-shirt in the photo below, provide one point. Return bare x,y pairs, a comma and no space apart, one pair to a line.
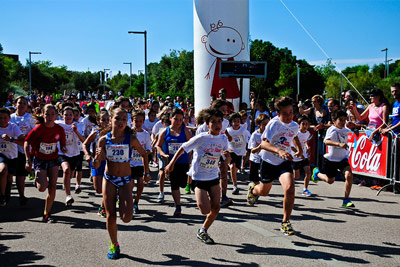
303,135
237,147
255,147
337,157
207,148
137,169
276,157
10,137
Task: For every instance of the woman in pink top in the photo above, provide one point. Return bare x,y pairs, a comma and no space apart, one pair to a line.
377,112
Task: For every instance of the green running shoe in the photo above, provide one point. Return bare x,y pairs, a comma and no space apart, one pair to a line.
347,203
187,189
314,176
114,251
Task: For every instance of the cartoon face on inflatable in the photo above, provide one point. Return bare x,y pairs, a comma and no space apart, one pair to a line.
222,41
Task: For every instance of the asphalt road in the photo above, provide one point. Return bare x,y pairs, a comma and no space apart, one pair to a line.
326,233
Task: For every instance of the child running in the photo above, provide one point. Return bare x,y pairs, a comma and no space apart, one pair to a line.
337,157
26,123
10,136
207,148
116,149
137,169
280,132
69,160
169,142
89,148
237,147
304,136
43,141
255,146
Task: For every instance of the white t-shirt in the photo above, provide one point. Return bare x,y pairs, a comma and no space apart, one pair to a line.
157,127
255,141
145,141
148,125
336,153
25,123
80,130
72,140
281,135
207,149
9,149
87,126
240,138
303,138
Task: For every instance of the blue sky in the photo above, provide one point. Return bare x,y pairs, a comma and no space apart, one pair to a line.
93,34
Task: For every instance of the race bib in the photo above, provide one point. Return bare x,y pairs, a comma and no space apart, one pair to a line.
117,152
173,148
69,136
237,141
208,162
136,157
4,147
47,148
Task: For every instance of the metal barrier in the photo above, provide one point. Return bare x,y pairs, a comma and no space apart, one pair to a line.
366,159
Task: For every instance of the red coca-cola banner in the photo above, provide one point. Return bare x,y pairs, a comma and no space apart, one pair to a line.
366,158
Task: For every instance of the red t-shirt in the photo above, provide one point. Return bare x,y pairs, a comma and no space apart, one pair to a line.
43,141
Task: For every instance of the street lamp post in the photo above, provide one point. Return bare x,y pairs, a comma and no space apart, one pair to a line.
298,81
145,59
104,80
30,70
130,72
386,73
388,66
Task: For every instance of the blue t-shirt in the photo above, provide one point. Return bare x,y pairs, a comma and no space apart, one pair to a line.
396,116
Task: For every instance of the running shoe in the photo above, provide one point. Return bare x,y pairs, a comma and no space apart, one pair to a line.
114,251
235,190
314,176
226,202
78,189
251,198
287,228
160,197
178,211
374,187
48,219
69,200
306,193
102,212
347,203
205,237
31,176
135,209
2,201
155,164
23,201
362,183
187,189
